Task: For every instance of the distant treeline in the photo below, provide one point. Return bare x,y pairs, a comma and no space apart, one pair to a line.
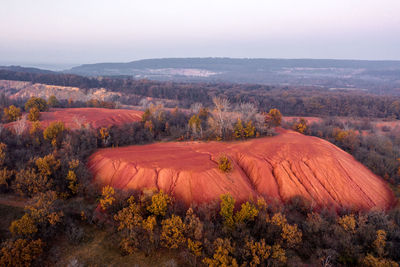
301,101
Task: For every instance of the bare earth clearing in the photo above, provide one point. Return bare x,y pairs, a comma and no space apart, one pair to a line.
73,118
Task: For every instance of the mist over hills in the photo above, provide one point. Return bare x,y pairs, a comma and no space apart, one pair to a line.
374,76
330,73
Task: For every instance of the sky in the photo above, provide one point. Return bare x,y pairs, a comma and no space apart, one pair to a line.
73,32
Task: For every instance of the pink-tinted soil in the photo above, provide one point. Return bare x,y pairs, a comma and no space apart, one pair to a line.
279,167
74,118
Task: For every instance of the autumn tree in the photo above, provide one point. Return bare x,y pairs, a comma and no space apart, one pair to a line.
37,102
195,125
107,197
28,182
274,117
12,113
34,114
159,204
21,252
54,132
301,126
71,177
247,213
223,254
249,130
25,226
53,101
227,206
104,135
224,164
3,148
172,235
238,129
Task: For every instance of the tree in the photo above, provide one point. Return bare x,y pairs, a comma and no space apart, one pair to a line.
250,130
107,197
24,226
300,126
53,101
172,235
34,114
224,164
159,204
195,125
274,117
12,113
238,129
226,209
53,132
28,182
3,148
247,213
20,252
104,135
37,102
223,254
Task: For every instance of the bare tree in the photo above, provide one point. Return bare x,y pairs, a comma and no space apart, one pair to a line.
20,126
195,107
247,111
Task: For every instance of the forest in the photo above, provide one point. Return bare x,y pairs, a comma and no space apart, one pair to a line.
48,169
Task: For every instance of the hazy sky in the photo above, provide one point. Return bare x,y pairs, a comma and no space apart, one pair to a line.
88,31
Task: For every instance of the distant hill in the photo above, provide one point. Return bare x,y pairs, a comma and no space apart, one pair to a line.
27,70
334,74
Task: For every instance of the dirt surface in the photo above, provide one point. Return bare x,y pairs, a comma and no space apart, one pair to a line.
95,117
279,167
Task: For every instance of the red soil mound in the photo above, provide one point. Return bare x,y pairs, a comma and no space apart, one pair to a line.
277,167
73,118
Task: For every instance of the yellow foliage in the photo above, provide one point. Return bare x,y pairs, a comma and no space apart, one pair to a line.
261,204
54,131
12,113
348,223
35,127
371,261
34,114
226,209
222,257
278,253
258,251
20,252
172,235
247,213
42,210
36,102
47,165
23,226
3,148
278,219
195,123
194,247
274,117
107,197
29,182
73,185
159,203
238,130
224,164
291,234
380,243
300,126
250,130
5,176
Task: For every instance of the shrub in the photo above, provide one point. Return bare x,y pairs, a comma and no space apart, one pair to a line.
224,164
37,102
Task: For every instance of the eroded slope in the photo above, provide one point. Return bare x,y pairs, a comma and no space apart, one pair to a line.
277,167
